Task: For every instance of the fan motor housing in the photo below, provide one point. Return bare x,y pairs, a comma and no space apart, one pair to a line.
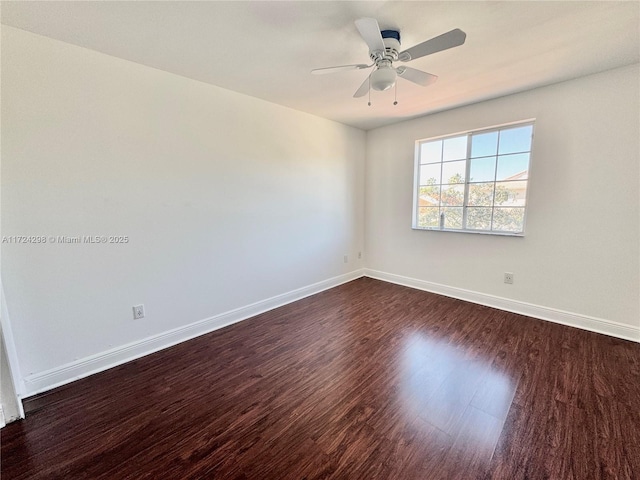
391,39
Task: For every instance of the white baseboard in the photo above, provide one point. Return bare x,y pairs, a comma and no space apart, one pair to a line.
577,320
55,377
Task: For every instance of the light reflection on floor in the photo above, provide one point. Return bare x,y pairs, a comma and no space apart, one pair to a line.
465,398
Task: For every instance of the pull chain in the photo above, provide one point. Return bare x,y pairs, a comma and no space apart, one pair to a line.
395,96
369,91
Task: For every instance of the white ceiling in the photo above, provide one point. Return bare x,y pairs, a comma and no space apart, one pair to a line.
266,49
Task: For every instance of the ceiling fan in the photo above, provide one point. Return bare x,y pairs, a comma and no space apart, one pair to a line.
384,49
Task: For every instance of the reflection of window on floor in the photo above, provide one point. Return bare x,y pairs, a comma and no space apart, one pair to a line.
475,182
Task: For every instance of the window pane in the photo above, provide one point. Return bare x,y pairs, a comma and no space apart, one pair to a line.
430,174
479,218
452,195
428,217
452,217
515,140
429,196
484,144
455,148
476,181
481,194
431,152
483,169
508,219
513,167
454,172
511,194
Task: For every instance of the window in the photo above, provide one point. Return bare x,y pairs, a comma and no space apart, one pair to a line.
474,182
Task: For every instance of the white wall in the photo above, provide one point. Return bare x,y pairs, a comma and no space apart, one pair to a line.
227,200
581,249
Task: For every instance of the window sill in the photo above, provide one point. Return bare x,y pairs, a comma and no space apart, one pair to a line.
481,232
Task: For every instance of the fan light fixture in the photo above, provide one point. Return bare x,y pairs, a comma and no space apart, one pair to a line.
383,78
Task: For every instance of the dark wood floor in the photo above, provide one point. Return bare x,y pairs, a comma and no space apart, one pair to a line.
365,381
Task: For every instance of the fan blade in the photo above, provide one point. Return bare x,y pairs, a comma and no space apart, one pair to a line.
322,71
451,39
416,76
364,88
370,32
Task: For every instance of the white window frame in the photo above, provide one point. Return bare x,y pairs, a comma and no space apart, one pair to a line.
468,133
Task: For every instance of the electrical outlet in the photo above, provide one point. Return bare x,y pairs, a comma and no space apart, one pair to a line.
508,277
346,259
138,312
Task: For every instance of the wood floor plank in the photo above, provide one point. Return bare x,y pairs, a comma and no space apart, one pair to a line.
368,380
472,450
